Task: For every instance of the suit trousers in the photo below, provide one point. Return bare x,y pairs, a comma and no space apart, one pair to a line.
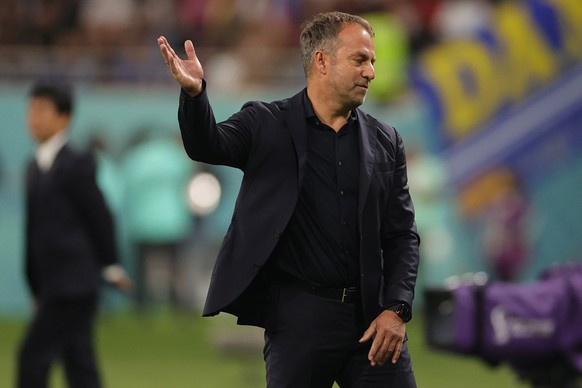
312,341
61,329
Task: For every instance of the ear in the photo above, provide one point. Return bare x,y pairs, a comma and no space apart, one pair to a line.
65,119
320,61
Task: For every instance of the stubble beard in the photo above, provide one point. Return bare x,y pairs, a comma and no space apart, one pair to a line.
357,99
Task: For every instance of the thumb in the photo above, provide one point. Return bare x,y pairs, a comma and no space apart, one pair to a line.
189,47
368,333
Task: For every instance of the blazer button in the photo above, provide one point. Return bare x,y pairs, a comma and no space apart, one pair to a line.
276,234
257,267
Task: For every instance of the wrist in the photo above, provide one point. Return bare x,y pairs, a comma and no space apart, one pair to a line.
113,273
196,89
402,310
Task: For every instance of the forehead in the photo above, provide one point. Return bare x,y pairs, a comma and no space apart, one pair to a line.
42,102
354,37
44,105
41,99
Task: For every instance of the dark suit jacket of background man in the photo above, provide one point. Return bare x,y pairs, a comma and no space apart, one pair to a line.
267,141
69,229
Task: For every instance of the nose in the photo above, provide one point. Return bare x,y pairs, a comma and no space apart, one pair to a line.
369,73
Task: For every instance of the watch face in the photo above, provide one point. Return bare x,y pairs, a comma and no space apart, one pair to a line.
403,312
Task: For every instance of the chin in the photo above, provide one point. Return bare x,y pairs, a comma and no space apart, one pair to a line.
358,101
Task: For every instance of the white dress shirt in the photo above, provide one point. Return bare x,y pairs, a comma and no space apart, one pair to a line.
47,152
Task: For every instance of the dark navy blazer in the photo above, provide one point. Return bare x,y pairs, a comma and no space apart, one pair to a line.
267,141
69,229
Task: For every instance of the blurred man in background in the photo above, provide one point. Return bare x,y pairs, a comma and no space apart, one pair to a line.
322,249
159,221
70,247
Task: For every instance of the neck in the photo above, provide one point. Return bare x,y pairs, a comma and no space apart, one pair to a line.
329,111
51,137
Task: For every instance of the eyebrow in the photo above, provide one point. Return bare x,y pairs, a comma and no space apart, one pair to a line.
364,56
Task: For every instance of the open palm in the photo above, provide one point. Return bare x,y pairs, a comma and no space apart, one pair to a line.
188,72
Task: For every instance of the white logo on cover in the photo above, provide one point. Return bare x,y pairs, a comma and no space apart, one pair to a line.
507,327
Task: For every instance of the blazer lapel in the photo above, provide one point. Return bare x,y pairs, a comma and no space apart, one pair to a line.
368,135
59,157
32,177
294,116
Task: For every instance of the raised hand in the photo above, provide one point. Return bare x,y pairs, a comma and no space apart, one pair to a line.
188,72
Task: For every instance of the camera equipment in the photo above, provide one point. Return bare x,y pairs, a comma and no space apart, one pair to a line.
536,328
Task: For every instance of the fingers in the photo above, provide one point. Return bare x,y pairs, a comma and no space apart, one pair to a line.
166,50
171,50
380,350
397,352
169,53
172,60
387,343
387,349
383,354
377,351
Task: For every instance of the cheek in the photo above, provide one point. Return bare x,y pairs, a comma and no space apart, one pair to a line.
344,79
37,121
41,123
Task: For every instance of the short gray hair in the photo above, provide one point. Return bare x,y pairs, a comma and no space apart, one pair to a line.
321,33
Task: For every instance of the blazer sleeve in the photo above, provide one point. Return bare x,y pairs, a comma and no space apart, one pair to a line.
87,198
226,143
400,240
31,277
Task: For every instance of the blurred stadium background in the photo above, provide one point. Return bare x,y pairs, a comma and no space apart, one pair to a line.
487,95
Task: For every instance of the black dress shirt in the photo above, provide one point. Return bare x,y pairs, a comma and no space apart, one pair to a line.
320,245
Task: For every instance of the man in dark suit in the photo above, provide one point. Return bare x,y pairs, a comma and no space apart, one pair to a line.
70,246
322,249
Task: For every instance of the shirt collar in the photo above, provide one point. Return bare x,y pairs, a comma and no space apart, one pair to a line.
46,152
